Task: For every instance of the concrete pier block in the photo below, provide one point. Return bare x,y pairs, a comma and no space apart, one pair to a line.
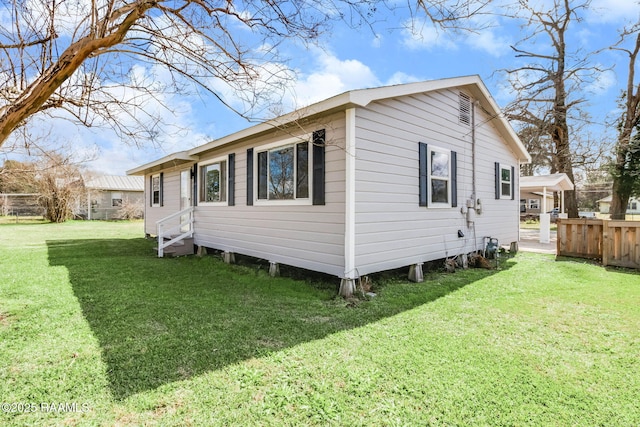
274,269
228,257
347,287
415,273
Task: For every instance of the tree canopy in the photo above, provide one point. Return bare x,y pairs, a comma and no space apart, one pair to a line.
74,56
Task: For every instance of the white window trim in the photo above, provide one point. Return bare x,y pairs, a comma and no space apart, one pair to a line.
226,181
289,141
507,168
430,203
154,204
534,203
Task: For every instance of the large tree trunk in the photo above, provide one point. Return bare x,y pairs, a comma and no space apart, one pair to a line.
619,201
624,176
560,138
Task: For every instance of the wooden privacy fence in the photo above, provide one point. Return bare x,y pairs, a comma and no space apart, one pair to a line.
614,242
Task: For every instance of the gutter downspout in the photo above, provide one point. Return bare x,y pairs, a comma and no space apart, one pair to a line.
473,152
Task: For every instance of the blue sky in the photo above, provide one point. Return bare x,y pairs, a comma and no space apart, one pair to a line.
349,58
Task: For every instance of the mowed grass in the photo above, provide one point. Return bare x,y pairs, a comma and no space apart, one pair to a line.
89,316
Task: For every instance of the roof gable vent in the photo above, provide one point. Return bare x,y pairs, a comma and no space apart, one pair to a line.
464,114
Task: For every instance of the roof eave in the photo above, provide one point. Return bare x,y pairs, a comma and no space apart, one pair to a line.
174,159
336,103
356,98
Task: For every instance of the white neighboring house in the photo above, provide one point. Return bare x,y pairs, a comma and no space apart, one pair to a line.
633,208
365,181
109,195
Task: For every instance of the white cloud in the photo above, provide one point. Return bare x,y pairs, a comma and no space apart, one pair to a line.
332,77
421,35
488,41
176,130
603,82
400,78
614,11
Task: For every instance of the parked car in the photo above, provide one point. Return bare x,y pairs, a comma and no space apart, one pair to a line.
590,215
554,214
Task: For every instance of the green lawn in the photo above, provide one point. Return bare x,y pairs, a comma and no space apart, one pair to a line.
89,316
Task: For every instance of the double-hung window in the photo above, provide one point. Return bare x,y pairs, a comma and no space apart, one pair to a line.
504,181
156,190
437,177
213,182
534,203
283,171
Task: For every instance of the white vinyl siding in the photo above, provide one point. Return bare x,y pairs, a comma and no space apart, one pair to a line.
301,235
170,200
392,230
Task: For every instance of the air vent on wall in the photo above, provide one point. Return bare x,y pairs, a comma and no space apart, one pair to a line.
464,102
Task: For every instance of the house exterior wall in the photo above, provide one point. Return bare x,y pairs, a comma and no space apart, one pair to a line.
304,236
633,207
391,229
170,200
102,204
527,197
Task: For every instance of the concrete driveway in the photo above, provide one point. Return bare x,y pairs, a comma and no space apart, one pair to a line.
530,242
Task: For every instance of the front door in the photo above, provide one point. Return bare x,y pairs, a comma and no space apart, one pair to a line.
185,196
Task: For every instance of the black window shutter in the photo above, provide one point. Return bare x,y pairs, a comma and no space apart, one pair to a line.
318,167
497,180
454,179
161,188
232,180
194,175
422,183
151,191
513,183
250,177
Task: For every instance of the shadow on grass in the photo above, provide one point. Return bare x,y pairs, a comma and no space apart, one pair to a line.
164,320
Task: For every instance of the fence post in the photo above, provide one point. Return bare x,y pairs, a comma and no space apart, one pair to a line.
605,242
559,235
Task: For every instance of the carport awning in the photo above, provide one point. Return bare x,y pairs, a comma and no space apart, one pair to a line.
559,182
555,182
